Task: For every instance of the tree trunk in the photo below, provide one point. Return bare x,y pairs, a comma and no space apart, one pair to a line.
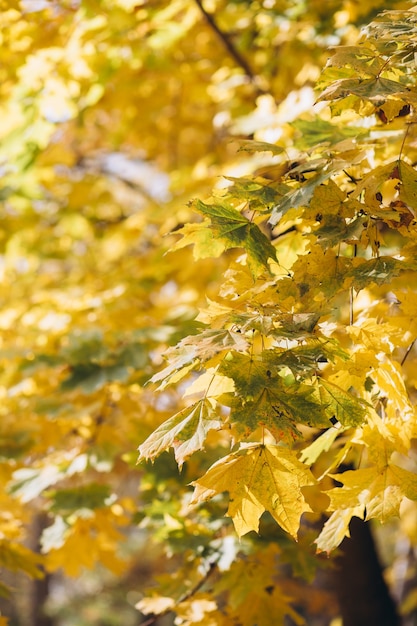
36,591
362,592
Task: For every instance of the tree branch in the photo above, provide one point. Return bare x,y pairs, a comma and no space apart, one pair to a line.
234,53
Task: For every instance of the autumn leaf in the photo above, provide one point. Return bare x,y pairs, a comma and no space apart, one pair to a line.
323,443
196,610
377,89
363,59
86,541
253,592
374,492
89,496
340,404
199,348
203,239
260,194
408,188
337,528
378,271
261,604
155,604
18,558
267,411
317,131
378,491
210,384
227,228
258,478
237,231
259,146
185,432
78,550
301,195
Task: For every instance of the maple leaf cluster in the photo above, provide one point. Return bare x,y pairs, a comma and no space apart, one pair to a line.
243,310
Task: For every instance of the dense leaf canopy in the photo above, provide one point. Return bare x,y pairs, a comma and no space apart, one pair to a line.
207,253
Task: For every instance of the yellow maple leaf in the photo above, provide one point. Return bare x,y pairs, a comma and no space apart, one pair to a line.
260,604
155,604
337,528
195,610
259,478
389,379
380,494
254,592
78,551
16,557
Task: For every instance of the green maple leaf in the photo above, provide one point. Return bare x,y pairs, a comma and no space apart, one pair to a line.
202,238
302,195
300,359
364,60
252,146
249,374
341,404
264,399
304,358
377,89
237,231
377,271
266,410
279,409
185,432
318,131
227,229
91,496
259,478
259,193
300,401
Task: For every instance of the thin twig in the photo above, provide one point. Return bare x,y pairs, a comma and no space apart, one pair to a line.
403,141
351,293
234,53
410,347
184,597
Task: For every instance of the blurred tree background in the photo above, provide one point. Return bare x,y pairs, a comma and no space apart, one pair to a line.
114,115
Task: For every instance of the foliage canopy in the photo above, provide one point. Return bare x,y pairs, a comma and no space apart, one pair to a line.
260,324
